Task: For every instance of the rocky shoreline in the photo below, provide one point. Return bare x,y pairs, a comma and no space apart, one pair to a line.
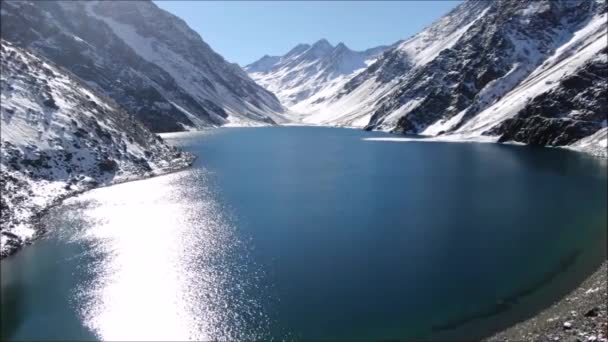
581,316
14,242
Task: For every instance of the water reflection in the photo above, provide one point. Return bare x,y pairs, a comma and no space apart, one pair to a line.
164,263
359,240
11,310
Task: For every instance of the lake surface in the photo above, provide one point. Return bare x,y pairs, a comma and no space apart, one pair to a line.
314,233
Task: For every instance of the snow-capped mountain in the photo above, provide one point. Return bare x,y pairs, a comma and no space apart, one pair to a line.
526,71
59,137
143,57
308,74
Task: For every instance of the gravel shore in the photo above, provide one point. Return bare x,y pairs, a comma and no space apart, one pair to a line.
581,316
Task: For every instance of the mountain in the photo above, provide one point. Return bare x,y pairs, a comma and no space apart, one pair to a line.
307,74
525,71
58,137
146,59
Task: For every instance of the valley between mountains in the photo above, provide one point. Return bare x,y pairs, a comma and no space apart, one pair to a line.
84,85
88,88
531,72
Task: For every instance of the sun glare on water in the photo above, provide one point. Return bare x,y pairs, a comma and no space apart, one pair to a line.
166,265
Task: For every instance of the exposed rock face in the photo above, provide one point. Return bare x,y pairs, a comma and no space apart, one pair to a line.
526,71
579,316
573,110
498,51
144,58
59,137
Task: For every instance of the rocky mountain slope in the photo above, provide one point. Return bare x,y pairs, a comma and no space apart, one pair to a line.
144,58
59,137
308,74
533,72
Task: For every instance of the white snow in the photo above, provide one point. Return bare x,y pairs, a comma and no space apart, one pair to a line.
48,153
443,125
191,75
595,144
426,45
443,138
305,79
532,73
356,108
584,45
353,108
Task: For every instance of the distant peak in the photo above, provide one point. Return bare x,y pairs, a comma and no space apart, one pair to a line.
342,46
322,43
298,49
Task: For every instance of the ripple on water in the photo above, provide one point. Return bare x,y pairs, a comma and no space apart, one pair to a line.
163,262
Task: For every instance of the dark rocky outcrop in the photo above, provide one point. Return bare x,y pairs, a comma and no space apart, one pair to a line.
575,109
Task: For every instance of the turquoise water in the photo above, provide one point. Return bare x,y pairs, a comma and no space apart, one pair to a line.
314,233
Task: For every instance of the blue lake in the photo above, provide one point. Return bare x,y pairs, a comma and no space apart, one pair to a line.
314,233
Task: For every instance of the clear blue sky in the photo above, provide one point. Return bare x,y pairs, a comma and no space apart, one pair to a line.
243,31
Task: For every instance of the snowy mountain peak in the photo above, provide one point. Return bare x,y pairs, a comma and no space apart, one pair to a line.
263,64
322,44
308,73
319,49
298,49
341,46
526,71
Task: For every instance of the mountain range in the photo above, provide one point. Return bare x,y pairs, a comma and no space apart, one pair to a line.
85,84
526,71
308,74
145,58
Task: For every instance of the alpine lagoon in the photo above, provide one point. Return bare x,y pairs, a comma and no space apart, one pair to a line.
292,242
449,186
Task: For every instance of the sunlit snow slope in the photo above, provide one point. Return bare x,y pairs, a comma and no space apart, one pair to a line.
528,71
59,137
143,57
309,74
